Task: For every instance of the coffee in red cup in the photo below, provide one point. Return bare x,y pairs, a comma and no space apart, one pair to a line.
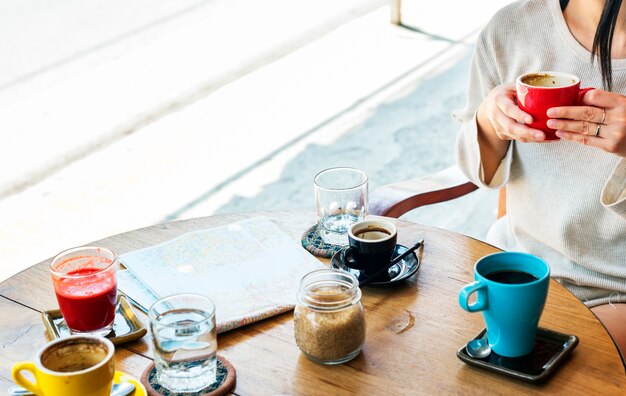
537,92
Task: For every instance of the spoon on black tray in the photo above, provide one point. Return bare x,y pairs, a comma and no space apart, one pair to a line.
478,348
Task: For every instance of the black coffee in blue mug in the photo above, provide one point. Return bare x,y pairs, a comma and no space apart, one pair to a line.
371,246
511,290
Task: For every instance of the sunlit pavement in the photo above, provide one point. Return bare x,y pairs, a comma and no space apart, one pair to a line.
368,94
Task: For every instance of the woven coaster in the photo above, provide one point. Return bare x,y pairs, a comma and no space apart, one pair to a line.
313,242
224,381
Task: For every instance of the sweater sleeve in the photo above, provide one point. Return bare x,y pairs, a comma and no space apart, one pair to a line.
614,191
483,78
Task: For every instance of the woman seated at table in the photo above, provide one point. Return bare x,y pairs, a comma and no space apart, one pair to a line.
566,200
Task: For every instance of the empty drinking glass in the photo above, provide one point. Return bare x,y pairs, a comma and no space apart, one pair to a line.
341,200
185,342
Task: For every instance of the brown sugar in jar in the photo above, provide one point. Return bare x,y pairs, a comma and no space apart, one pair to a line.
329,321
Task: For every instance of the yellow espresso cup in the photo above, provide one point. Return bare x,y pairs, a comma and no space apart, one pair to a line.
77,365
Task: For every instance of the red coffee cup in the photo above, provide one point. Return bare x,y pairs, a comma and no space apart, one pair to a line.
537,92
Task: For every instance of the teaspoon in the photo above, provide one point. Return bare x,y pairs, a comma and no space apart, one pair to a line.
393,262
121,389
478,348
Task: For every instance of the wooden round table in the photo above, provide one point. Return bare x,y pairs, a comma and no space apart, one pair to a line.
414,329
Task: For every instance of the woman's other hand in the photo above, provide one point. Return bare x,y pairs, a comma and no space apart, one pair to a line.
600,122
506,119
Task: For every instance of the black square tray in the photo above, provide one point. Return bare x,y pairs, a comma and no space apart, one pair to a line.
551,349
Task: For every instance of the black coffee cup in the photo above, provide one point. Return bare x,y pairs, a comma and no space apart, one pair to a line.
371,246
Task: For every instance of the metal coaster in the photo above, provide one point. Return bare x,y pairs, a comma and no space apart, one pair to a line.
225,379
126,327
313,242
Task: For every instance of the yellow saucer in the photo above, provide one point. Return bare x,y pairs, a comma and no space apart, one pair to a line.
140,390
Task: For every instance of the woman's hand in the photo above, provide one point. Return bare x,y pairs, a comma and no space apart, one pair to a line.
600,122
499,121
507,120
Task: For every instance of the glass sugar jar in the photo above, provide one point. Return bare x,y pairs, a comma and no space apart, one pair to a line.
329,320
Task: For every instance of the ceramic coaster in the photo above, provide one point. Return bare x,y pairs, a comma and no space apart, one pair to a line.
313,242
224,381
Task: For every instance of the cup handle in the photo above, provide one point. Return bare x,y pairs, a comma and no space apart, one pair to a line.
582,93
347,256
19,379
478,287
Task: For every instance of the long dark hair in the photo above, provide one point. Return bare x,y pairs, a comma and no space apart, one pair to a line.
603,40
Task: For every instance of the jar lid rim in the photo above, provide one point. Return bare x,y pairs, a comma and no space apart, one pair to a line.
329,277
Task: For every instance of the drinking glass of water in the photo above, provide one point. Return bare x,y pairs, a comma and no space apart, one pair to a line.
185,342
341,200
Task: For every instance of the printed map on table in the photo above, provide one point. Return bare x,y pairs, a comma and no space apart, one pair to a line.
250,269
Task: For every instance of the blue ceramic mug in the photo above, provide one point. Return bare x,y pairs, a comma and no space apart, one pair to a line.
511,290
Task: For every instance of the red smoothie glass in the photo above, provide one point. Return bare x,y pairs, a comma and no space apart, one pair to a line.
85,284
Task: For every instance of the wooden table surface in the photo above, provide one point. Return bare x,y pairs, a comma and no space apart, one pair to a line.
413,329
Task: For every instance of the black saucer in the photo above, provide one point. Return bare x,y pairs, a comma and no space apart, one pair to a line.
397,272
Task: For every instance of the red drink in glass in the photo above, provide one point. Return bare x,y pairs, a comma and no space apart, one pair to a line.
86,288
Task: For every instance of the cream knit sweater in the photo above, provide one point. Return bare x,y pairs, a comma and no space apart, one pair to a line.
566,202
